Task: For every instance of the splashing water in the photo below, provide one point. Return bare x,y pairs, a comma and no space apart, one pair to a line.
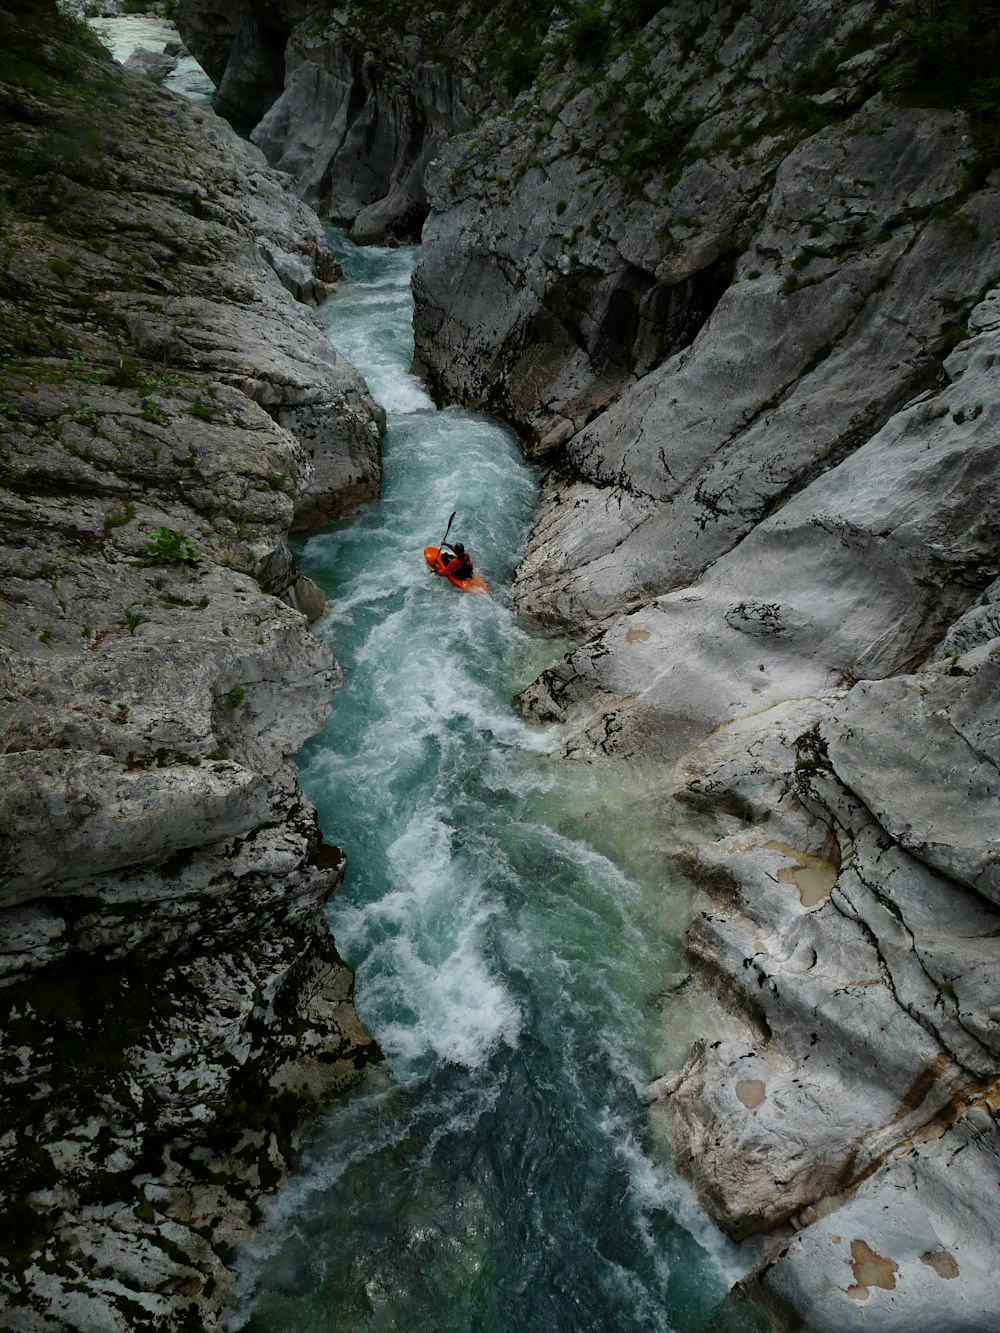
497,1173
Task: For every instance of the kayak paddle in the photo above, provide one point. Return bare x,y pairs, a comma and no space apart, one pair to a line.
447,530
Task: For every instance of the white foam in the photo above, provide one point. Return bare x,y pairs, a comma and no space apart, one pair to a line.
465,893
429,958
653,1187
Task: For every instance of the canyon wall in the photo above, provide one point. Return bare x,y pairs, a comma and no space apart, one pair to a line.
733,271
172,1002
363,108
750,323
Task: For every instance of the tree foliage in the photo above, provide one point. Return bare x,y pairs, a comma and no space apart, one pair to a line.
951,55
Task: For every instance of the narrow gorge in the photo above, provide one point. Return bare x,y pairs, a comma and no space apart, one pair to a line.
732,273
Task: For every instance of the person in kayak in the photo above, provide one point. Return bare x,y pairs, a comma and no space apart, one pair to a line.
458,565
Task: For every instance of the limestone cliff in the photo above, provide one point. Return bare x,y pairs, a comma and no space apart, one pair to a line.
733,270
760,368
171,999
363,109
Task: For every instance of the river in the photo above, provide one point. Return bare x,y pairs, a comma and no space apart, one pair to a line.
131,32
497,1173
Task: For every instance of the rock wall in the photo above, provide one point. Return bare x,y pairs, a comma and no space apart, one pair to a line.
240,46
762,379
739,290
172,1001
352,109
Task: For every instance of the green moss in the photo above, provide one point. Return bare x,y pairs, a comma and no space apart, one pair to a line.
118,517
201,409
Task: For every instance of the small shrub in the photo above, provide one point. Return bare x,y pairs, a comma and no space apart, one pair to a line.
167,547
202,410
153,412
236,696
118,517
126,375
589,34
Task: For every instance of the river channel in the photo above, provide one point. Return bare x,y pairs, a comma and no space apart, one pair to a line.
497,1173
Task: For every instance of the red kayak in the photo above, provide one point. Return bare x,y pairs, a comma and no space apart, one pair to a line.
432,555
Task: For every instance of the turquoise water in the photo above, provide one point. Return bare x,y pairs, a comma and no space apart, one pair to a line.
128,33
497,1173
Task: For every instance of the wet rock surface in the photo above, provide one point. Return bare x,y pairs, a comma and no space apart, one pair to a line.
740,295
354,108
172,1003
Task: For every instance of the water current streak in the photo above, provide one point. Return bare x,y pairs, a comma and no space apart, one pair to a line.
497,1174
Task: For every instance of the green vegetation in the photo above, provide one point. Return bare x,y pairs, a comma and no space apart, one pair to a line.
57,122
153,412
118,517
199,408
62,268
45,68
129,375
167,547
589,33
950,57
811,756
236,696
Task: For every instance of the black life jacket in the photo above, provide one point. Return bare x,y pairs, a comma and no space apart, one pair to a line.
460,566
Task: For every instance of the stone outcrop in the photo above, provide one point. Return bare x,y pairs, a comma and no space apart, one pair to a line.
352,110
853,1120
741,296
172,1001
357,129
240,46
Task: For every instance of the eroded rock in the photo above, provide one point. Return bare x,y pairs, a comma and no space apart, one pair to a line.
171,1001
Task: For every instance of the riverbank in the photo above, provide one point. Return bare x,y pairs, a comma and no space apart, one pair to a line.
733,272
172,1004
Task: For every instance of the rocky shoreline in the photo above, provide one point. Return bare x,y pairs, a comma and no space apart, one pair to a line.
173,1003
739,289
737,284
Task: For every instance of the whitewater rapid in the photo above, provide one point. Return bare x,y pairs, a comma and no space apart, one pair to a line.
497,1173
